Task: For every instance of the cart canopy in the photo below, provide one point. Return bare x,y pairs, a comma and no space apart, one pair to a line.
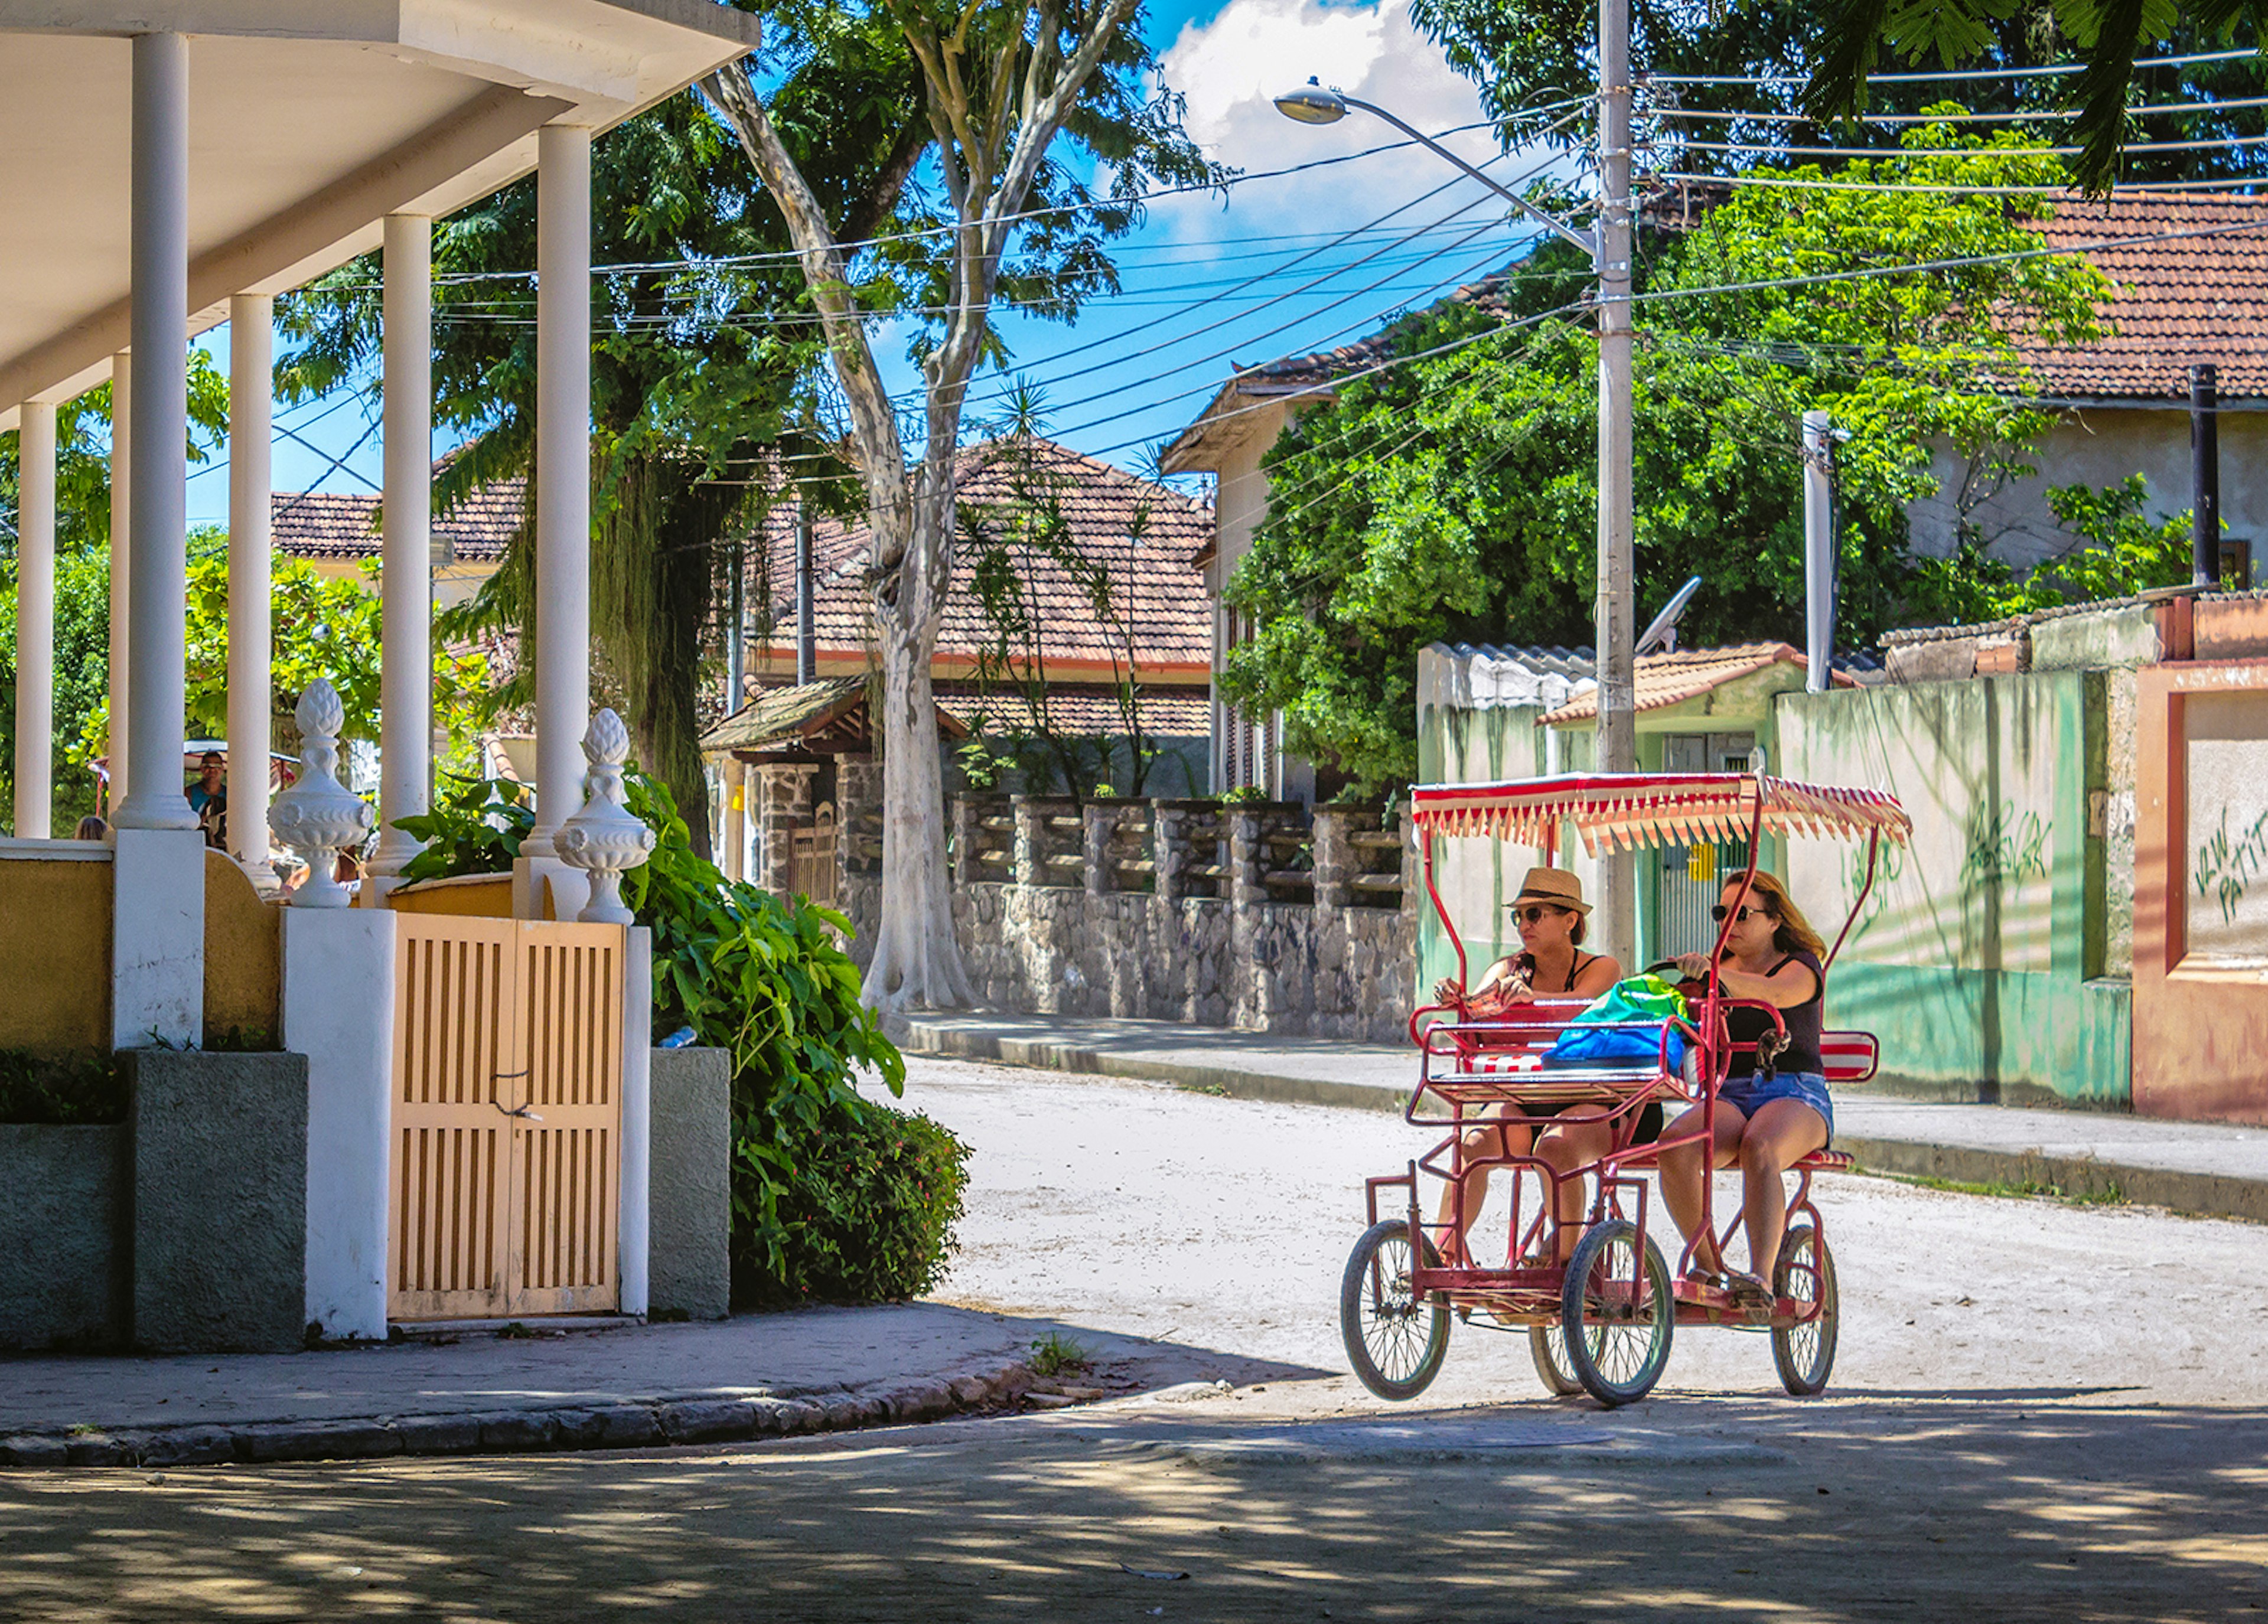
1629,810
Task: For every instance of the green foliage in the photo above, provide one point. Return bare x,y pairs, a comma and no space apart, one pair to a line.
2120,554
1454,497
66,1089
1057,1354
834,1196
82,677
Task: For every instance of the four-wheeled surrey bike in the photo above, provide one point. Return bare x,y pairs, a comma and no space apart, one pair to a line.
1602,1322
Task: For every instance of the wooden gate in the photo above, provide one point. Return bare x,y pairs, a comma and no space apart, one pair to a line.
811,856
507,1118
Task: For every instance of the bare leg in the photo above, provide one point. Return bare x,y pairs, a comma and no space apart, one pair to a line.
1781,1131
1564,1147
1504,1134
1682,1174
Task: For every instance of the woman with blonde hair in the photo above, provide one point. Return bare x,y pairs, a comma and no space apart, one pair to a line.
1772,1108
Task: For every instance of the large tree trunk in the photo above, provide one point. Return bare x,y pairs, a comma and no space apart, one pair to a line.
917,961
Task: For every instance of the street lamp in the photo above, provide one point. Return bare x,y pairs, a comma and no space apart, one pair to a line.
1610,250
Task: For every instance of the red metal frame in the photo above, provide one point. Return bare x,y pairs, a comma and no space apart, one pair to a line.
1626,810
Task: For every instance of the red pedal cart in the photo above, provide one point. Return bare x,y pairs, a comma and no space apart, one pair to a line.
1601,1323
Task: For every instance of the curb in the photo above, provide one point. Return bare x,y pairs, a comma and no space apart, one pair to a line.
1049,1055
2213,1195
643,1424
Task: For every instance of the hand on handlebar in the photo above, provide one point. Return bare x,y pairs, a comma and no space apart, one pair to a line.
1694,966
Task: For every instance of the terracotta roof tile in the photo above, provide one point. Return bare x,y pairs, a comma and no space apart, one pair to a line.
2202,297
1172,617
325,523
1163,715
1663,679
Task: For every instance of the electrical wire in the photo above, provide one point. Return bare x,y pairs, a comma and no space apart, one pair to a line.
1736,115
2219,143
1952,75
2123,189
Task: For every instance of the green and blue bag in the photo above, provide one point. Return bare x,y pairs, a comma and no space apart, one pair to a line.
1622,1025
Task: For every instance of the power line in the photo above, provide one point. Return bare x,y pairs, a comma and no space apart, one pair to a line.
1735,116
2058,70
2124,189
2219,144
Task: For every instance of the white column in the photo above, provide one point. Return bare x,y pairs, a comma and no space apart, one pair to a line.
251,681
157,599
406,584
121,554
563,476
634,1235
35,618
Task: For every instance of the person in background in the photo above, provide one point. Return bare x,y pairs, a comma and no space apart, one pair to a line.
91,828
209,799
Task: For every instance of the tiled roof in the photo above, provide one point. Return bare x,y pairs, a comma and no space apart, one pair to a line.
325,523
1663,679
779,714
1322,367
2198,296
1172,617
1164,715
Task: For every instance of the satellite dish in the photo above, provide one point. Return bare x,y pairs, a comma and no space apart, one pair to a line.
1662,631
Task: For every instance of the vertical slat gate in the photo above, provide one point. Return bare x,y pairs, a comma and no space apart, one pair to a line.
454,1034
506,1118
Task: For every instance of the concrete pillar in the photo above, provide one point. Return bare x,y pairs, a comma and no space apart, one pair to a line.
122,556
634,1239
736,818
563,476
1100,825
1247,860
406,581
349,1045
1168,849
157,599
35,620
251,679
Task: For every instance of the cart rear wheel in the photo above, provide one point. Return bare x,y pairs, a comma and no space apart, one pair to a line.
1395,1342
1548,1344
1805,1275
1617,1312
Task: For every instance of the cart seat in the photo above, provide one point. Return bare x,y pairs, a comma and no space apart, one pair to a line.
1825,1161
1848,1057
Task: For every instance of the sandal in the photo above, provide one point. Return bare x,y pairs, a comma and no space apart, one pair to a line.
1747,1291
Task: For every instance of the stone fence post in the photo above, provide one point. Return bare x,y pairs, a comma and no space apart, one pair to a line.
1333,859
784,804
1248,884
1102,824
1031,841
966,868
1168,851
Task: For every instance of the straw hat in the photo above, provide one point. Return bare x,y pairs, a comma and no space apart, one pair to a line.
1554,887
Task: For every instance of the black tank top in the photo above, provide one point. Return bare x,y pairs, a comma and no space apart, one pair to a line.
1803,1022
1526,963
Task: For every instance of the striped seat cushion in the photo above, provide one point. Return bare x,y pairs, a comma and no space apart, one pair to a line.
1848,1057
1827,1161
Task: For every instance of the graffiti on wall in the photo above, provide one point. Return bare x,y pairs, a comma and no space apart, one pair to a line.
2006,849
2225,844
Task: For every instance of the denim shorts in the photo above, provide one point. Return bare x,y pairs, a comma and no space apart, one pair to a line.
1745,1094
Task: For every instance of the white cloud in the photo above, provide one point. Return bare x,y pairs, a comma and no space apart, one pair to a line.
1251,51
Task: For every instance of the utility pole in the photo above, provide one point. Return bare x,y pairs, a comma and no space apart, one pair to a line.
807,639
2204,476
1819,550
1617,738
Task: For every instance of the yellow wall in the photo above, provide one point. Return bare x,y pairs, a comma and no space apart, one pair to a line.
243,972
55,955
469,896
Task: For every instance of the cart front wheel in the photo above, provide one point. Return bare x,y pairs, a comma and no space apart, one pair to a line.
1617,1312
1805,1276
1395,1342
1547,1344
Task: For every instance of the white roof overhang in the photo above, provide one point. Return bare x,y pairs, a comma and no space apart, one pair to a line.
309,123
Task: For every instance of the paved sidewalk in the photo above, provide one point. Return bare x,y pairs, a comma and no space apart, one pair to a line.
2190,1166
621,1386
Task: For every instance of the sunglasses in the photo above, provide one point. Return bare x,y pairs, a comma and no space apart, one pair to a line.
1719,912
1530,916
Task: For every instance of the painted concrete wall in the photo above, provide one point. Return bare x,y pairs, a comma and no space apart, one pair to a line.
243,944
1979,958
55,952
2097,448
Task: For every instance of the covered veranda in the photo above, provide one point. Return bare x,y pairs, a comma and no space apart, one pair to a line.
177,165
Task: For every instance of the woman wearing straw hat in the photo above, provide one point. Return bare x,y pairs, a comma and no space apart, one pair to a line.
1550,912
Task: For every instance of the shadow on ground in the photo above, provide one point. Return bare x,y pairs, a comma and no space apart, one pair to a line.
1859,1509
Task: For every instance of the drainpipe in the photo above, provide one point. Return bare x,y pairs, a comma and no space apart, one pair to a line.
2204,476
736,656
1818,551
806,639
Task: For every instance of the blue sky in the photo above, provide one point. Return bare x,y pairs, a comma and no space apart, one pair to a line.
1208,283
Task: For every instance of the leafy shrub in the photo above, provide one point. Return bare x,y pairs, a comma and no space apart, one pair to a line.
835,1196
67,1090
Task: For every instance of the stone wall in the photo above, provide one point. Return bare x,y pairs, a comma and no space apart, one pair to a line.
64,1251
